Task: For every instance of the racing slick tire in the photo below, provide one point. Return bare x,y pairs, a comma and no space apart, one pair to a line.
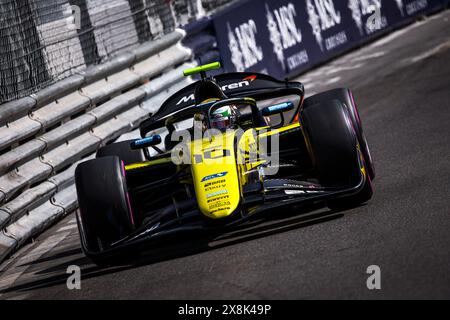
123,151
332,143
345,96
105,214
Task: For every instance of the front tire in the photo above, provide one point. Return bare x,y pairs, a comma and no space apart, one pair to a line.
105,214
345,96
332,143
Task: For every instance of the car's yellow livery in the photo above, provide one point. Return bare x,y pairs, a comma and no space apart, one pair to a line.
255,145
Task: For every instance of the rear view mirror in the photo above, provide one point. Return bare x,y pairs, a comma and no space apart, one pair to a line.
146,142
202,69
277,109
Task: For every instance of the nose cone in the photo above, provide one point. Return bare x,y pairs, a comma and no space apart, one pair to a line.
215,175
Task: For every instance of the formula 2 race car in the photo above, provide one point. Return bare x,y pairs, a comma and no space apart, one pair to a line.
218,153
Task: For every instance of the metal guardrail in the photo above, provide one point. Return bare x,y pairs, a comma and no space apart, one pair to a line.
44,136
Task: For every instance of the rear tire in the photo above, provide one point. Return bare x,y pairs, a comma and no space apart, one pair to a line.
332,143
105,214
345,96
123,151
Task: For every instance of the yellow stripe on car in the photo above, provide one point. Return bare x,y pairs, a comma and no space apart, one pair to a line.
141,165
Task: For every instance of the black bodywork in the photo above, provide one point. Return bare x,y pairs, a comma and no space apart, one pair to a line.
164,202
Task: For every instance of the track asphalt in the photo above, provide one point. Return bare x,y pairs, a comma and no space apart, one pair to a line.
402,86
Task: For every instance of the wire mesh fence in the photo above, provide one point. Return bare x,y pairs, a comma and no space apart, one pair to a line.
43,41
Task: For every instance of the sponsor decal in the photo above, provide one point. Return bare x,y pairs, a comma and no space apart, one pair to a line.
212,188
282,37
303,186
368,11
251,78
400,7
217,193
322,17
214,176
214,183
287,185
335,41
220,209
294,192
280,107
297,192
228,87
297,60
219,199
245,51
283,30
415,6
220,204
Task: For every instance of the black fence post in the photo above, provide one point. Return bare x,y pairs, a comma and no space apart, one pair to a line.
32,45
139,13
86,34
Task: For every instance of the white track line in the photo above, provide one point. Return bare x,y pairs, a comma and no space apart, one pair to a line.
19,297
369,56
397,34
67,228
333,80
338,69
442,47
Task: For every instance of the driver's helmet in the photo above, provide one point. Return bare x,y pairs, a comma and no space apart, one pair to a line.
223,118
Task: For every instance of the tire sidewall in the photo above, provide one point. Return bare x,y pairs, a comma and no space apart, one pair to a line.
345,96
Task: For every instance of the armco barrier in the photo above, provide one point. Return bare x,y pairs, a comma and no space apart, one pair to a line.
286,37
44,136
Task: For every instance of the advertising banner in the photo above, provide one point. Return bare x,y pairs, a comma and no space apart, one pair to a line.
285,37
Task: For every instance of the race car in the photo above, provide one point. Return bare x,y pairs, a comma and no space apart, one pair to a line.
218,153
